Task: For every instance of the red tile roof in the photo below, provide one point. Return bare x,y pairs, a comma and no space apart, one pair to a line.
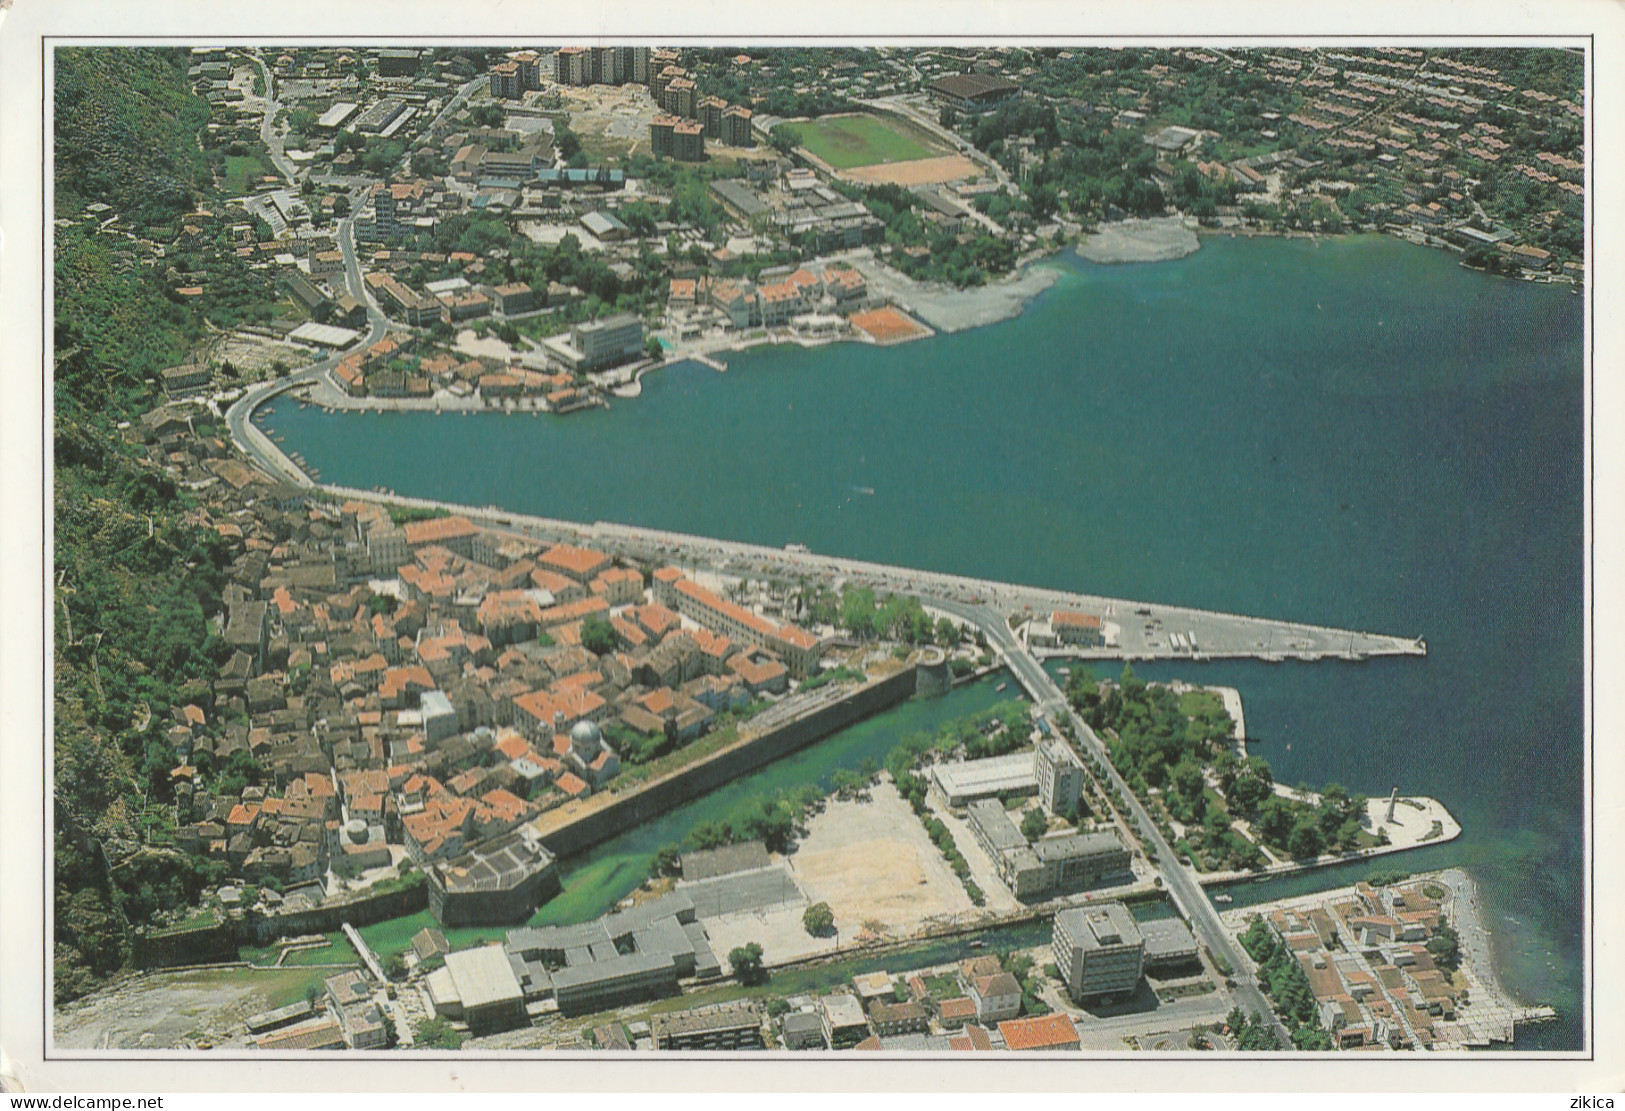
1042,1032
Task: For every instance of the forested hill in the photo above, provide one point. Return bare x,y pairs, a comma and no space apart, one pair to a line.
133,583
127,128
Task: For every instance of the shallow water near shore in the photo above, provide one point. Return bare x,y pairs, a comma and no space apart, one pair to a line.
1353,432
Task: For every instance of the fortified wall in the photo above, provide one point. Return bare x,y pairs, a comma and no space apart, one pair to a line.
706,775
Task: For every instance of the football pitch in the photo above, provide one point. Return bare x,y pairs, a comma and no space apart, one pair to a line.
848,141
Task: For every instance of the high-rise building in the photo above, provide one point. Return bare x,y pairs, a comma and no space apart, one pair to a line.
658,62
709,114
1098,951
1060,776
736,129
662,140
574,65
505,81
688,142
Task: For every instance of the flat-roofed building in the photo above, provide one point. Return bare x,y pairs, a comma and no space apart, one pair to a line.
335,117
1168,943
803,1030
728,1026
1051,865
398,62
844,1023
486,990
963,782
1098,951
379,116
600,344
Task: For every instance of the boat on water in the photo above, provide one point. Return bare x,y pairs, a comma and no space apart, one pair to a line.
1224,897
1000,688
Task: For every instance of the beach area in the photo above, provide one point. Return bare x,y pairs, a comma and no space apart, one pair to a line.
1494,1011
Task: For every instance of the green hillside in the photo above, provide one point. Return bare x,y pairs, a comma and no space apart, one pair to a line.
134,583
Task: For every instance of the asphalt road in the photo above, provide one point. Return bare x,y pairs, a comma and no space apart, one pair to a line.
250,440
1187,894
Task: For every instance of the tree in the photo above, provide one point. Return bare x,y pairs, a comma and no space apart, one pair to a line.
746,962
667,862
1305,842
655,349
436,1033
1445,947
1034,825
395,966
597,635
784,138
819,920
341,206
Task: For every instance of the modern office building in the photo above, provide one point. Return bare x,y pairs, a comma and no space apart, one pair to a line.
599,344
1098,950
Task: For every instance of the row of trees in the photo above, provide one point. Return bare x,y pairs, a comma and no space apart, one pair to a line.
1287,985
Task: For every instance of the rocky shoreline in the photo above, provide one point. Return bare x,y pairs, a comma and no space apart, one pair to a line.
1157,240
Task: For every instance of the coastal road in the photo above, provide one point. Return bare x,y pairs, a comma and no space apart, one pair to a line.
1181,886
249,439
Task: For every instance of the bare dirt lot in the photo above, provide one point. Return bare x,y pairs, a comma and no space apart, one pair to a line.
921,171
611,121
872,862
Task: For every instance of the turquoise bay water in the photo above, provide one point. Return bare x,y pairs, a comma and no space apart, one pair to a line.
1354,432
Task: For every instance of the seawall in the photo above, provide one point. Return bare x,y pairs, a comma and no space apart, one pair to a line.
619,813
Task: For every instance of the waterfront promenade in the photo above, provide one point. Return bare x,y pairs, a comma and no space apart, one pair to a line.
1210,635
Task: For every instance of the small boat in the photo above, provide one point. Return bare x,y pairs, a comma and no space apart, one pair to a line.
976,944
1000,688
1224,897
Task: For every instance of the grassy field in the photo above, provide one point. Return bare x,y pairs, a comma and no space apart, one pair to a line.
848,141
239,169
